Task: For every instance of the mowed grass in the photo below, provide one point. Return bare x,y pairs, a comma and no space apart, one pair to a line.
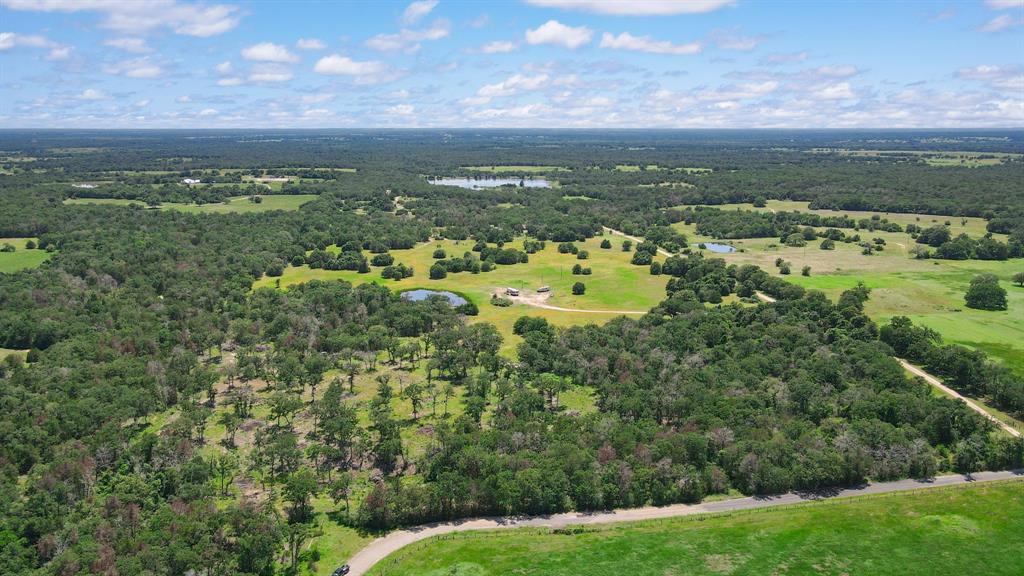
22,257
615,285
961,530
930,292
238,204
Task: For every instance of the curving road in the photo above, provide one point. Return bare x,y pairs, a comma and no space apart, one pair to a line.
380,548
970,403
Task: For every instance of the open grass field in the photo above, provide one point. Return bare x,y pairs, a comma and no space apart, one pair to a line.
22,257
967,529
614,285
652,167
939,159
238,204
930,292
970,225
5,352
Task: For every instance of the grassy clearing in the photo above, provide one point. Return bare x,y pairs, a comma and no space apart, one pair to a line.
959,158
614,285
238,204
971,225
518,169
22,257
939,531
653,167
930,292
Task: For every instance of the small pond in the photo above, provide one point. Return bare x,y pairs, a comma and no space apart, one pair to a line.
720,248
421,294
477,183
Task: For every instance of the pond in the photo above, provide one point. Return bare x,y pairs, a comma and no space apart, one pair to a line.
477,183
720,248
421,294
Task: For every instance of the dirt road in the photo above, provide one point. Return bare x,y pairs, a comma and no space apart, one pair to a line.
540,301
381,547
764,297
970,403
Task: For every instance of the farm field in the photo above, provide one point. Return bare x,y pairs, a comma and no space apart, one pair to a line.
22,257
238,204
930,292
615,284
940,531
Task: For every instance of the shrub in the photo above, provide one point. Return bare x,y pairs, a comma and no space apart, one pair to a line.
642,258
582,255
828,244
579,288
500,302
384,259
439,254
606,243
805,271
438,271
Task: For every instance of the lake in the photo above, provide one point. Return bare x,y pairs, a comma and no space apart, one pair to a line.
477,183
421,294
720,248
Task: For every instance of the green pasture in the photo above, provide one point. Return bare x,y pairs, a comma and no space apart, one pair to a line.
22,257
973,226
237,204
958,530
931,292
615,285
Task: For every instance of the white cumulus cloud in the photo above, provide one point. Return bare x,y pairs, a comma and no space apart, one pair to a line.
268,52
513,85
626,41
91,94
402,109
558,34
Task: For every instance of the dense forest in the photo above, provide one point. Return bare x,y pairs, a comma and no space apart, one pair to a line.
137,308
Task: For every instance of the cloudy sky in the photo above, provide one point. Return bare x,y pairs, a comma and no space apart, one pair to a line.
530,63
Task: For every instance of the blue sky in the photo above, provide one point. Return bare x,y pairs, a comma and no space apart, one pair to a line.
531,63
